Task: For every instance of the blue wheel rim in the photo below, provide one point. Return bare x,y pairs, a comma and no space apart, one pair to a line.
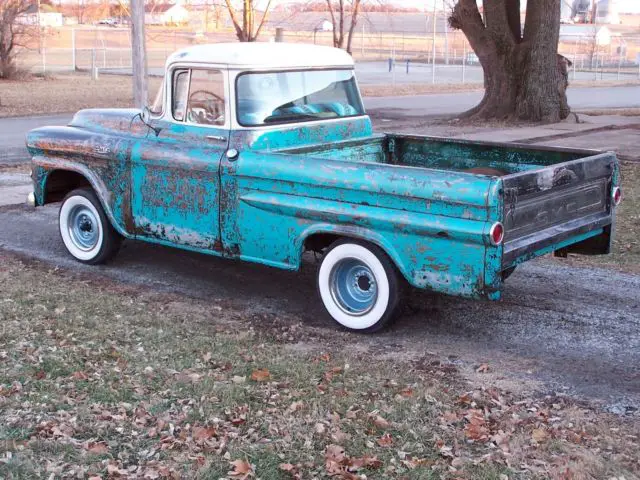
353,286
84,228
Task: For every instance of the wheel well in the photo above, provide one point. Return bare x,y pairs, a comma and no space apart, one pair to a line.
61,182
318,242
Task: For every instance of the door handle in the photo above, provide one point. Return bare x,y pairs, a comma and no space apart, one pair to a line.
217,138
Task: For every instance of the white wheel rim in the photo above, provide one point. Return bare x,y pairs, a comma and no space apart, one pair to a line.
341,271
81,228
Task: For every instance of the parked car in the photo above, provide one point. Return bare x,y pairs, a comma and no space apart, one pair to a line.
111,22
260,152
472,59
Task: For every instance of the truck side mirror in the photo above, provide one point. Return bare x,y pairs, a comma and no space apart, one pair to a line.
145,116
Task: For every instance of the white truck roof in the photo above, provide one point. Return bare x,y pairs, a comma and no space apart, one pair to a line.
264,55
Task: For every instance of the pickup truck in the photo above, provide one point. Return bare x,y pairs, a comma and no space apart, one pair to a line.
261,152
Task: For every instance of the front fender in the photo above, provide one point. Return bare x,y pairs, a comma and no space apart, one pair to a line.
43,167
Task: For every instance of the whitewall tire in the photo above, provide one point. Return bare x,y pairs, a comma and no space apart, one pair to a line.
85,229
359,286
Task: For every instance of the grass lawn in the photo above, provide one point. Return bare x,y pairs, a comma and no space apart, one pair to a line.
66,93
99,380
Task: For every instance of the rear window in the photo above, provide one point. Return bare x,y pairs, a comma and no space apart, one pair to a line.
271,98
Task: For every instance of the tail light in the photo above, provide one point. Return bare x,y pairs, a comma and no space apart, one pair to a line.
616,195
496,234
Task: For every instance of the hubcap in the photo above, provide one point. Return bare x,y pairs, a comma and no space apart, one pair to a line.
83,228
353,286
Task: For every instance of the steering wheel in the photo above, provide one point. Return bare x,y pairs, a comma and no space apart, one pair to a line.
211,107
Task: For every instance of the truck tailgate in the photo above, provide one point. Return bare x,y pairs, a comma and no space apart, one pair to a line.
546,207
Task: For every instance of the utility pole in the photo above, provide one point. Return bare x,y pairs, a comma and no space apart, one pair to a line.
433,44
138,54
39,27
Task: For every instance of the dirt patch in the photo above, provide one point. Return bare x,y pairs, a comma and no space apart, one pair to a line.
101,379
66,93
11,169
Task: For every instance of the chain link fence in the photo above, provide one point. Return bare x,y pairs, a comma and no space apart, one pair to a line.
440,57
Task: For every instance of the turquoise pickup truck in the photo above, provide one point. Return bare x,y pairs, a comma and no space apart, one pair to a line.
261,152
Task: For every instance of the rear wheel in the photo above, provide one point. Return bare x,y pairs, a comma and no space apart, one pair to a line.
85,229
359,286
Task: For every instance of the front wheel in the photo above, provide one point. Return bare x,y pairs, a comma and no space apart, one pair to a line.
85,229
359,286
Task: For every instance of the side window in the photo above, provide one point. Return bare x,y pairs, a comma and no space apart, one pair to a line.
180,92
206,98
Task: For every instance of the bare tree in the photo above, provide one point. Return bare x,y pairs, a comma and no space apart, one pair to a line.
246,29
339,10
78,8
525,79
13,33
213,14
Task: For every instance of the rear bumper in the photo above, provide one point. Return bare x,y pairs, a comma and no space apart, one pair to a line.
560,237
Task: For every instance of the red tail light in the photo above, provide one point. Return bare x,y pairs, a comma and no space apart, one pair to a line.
616,194
496,234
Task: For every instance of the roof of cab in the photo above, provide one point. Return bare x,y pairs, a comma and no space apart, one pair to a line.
264,55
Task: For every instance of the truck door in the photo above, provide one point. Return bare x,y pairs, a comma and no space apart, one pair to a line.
175,181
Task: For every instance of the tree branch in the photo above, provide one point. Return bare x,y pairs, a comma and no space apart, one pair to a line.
264,18
465,16
234,19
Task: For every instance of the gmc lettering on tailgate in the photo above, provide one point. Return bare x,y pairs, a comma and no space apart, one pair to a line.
539,212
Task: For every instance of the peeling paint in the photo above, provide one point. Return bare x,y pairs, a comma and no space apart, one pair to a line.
412,196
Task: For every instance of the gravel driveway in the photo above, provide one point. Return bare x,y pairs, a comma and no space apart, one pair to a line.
559,328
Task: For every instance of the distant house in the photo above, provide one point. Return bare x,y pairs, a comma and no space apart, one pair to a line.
166,14
49,17
581,33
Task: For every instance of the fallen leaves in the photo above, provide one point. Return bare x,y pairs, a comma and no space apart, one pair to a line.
379,422
261,375
241,469
97,448
385,440
116,411
476,428
483,368
202,434
338,463
539,435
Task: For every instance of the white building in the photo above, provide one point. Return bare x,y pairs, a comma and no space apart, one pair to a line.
48,17
166,14
601,35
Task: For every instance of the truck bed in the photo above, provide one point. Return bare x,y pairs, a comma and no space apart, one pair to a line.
441,153
554,199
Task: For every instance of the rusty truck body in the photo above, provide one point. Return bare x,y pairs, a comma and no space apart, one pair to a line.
260,152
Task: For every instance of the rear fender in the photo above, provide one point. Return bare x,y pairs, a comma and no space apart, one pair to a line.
358,233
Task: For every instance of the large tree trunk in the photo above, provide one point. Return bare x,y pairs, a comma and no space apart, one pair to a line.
524,77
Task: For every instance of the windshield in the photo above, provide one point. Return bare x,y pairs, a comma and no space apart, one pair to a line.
286,97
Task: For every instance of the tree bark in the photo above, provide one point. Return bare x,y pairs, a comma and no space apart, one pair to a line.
524,78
